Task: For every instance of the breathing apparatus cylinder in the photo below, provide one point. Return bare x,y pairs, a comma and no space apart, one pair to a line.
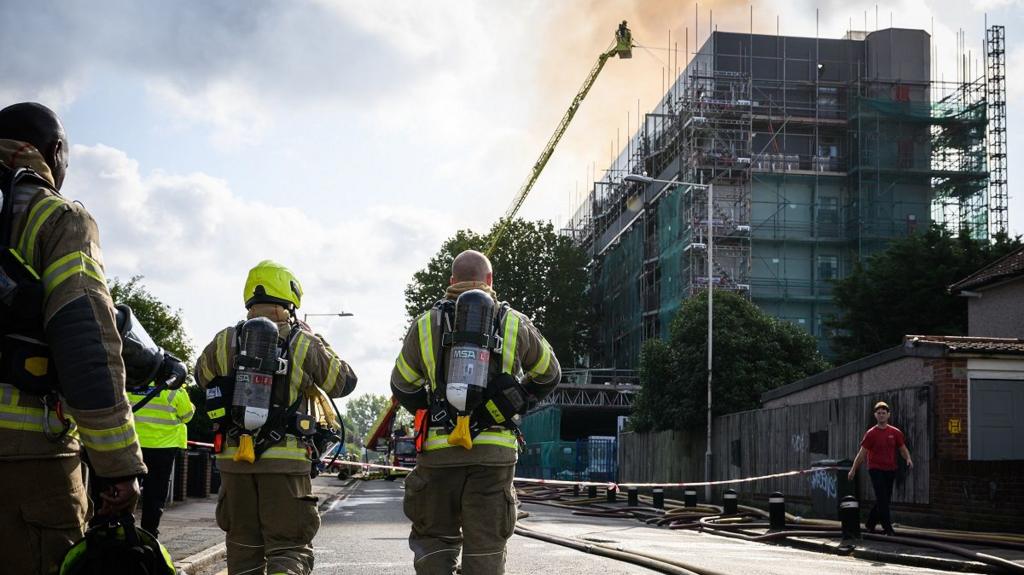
469,359
255,366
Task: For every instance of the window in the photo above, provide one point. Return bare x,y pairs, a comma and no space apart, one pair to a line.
996,419
828,267
828,217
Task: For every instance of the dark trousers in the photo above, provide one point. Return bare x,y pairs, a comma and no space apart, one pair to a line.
160,463
881,482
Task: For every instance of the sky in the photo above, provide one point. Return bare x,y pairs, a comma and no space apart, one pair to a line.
347,140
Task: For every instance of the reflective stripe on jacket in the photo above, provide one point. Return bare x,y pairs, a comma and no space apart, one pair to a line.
525,353
161,422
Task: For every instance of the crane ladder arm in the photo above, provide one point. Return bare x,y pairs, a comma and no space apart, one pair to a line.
549,149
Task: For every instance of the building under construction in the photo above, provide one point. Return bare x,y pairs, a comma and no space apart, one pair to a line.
818,152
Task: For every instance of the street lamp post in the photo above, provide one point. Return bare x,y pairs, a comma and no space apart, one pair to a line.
637,178
338,314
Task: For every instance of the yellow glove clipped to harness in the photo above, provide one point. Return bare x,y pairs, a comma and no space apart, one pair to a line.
245,449
461,435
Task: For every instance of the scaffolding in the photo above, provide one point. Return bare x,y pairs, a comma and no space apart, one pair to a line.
995,84
819,152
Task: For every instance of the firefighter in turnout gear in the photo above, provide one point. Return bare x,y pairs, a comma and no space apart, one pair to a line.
460,495
56,317
261,378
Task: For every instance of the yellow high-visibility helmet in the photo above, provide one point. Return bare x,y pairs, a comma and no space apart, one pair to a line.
271,282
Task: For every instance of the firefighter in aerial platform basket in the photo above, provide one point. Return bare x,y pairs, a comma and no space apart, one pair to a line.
469,366
267,382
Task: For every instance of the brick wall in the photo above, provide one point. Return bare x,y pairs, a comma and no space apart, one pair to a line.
950,379
984,495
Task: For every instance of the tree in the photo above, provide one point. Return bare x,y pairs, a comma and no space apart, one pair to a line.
362,412
753,353
167,328
164,325
537,271
903,290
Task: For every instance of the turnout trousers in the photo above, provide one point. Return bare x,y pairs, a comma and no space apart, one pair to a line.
270,520
469,508
43,514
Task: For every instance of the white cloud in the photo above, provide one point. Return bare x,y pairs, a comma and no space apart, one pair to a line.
995,4
194,239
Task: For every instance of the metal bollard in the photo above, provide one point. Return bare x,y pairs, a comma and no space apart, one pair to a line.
690,497
659,497
632,497
849,516
777,511
576,490
592,491
611,495
729,502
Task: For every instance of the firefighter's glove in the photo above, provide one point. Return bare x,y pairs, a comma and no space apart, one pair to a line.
504,399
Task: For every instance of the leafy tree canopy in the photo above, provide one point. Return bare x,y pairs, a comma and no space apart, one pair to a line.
753,353
903,290
167,328
537,271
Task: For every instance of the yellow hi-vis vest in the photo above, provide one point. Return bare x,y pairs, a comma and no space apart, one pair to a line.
161,422
437,437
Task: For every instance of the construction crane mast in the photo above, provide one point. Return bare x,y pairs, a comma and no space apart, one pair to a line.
623,48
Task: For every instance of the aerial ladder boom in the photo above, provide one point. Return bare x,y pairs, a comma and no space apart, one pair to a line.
623,49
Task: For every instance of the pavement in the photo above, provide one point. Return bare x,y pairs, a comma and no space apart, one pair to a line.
364,530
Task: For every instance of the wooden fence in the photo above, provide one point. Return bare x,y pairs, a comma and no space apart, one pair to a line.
766,441
662,456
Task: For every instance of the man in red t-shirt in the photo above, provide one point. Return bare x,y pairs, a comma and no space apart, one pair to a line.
879,446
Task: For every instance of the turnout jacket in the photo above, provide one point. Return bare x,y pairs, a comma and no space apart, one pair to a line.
59,240
312,363
525,354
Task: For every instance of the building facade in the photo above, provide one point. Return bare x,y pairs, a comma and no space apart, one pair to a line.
818,152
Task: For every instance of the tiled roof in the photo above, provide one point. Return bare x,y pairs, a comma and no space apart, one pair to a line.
968,344
1011,265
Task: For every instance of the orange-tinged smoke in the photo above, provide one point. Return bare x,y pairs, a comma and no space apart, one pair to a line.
577,32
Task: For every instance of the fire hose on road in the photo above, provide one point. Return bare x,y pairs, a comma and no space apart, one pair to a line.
749,524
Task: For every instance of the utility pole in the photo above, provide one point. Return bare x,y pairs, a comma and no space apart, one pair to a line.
711,316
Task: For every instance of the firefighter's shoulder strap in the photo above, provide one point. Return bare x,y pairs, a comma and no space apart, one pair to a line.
447,320
24,355
9,179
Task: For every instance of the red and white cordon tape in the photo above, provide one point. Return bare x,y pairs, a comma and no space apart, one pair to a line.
365,466
612,485
732,481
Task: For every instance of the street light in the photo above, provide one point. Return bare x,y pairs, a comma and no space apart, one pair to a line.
339,314
642,179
